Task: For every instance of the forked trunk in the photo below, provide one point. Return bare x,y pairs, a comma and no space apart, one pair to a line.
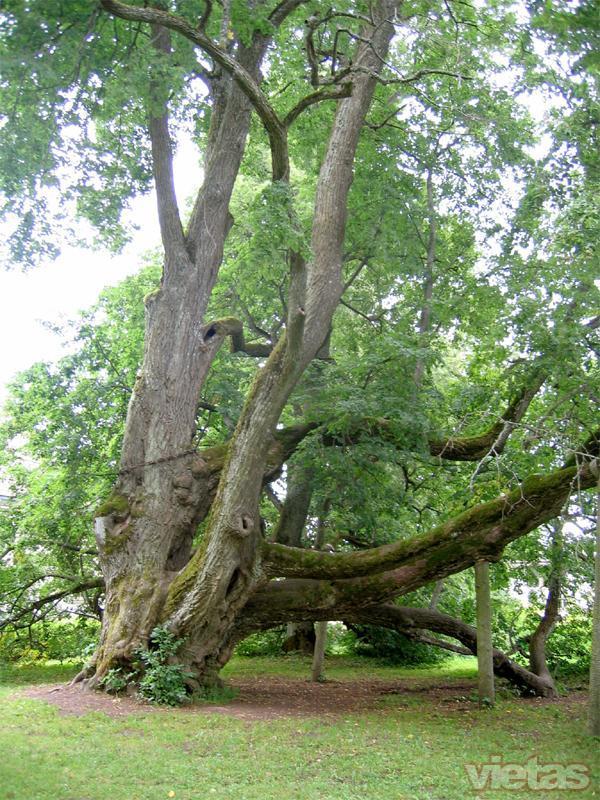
145,530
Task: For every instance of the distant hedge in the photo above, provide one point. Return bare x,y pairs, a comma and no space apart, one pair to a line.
60,640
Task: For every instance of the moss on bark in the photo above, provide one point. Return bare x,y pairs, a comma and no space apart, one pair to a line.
116,503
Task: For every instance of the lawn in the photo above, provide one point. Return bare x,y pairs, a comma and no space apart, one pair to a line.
411,744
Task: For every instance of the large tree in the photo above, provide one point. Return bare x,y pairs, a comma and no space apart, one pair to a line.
406,97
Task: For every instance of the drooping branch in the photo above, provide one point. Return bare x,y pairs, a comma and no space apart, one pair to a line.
54,597
413,621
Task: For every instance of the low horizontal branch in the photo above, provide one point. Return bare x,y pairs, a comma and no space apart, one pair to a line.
345,582
482,531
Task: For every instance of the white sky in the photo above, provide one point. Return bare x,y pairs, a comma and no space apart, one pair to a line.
56,291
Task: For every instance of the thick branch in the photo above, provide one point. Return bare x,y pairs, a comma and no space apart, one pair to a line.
294,512
282,11
273,125
219,329
316,97
493,441
324,279
162,160
394,569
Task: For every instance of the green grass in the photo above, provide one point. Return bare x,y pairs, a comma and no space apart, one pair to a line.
349,668
408,749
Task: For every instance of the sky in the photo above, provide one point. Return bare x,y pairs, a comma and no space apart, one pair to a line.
54,292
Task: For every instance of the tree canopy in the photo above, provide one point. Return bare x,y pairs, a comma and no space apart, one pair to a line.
396,240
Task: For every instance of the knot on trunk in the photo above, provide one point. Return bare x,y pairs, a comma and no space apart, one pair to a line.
242,525
198,467
183,480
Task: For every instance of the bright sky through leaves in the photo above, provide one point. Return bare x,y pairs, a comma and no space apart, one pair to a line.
54,292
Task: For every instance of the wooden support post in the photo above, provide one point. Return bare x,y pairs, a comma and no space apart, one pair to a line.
485,649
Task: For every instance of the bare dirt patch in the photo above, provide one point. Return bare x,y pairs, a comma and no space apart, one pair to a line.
273,698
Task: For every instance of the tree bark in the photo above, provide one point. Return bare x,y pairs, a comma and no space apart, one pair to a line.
485,648
319,654
539,638
145,529
537,642
300,636
321,625
594,709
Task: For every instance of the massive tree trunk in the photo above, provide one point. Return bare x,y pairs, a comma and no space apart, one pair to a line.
145,529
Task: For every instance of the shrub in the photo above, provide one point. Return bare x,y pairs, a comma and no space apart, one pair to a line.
162,682
263,643
158,680
59,640
116,680
394,648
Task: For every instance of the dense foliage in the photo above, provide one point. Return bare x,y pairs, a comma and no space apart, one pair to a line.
470,303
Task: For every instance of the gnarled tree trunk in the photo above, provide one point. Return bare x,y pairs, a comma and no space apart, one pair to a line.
145,529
